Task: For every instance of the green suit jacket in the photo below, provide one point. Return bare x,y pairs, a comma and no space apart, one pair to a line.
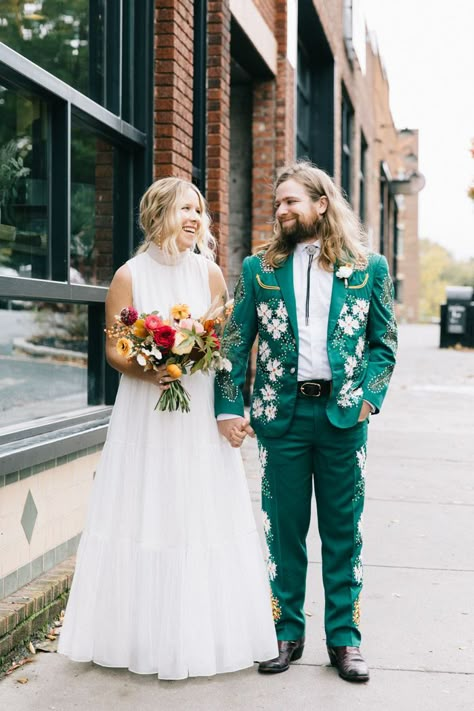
361,344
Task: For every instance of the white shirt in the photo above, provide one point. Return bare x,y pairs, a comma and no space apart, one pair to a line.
313,361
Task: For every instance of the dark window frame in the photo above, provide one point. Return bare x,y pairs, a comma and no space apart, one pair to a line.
134,141
347,144
362,178
200,95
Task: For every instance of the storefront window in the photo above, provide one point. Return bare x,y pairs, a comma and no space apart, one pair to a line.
55,34
43,359
23,185
92,220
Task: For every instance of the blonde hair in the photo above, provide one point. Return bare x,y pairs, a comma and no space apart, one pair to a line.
342,236
159,217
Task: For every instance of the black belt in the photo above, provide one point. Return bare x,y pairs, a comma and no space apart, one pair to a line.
314,388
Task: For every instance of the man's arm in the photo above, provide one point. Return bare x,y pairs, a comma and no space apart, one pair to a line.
381,336
239,335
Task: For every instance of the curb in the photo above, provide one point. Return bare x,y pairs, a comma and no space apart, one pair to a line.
31,608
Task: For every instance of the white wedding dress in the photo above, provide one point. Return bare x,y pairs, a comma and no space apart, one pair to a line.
170,577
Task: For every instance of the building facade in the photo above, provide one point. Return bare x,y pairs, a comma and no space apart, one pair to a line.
97,102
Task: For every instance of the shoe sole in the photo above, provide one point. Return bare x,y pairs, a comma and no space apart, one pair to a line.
297,654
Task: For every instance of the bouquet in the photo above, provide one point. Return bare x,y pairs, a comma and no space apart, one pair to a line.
184,344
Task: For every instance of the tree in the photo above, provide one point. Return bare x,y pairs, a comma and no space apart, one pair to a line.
439,269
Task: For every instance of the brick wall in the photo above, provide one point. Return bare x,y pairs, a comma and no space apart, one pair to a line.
173,106
218,106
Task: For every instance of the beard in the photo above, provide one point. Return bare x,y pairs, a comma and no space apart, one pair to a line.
300,231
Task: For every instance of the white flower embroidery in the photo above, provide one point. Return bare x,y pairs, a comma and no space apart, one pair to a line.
257,407
362,460
360,347
275,369
262,458
344,309
358,571
349,324
281,311
266,523
360,525
270,412
360,308
276,327
271,569
350,365
264,312
268,393
264,350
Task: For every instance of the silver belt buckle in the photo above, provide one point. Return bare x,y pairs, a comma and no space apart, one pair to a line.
302,389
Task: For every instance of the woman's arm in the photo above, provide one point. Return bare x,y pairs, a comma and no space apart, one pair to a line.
119,296
217,283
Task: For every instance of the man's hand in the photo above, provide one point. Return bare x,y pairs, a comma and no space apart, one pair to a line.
365,411
235,430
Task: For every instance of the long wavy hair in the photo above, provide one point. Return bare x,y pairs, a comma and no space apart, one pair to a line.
342,236
160,221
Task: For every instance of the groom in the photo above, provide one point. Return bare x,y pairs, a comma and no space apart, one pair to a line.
322,308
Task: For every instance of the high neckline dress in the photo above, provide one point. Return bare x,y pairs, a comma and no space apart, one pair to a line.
170,576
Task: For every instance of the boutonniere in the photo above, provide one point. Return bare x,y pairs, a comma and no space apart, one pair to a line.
345,272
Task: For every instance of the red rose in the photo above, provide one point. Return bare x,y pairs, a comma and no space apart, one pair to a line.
164,337
216,341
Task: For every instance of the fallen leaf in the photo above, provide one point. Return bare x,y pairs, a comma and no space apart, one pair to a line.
23,680
31,648
51,637
17,665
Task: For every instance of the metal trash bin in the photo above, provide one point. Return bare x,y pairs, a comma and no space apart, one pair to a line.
457,317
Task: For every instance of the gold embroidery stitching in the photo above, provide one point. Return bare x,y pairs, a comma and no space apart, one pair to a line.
359,286
266,286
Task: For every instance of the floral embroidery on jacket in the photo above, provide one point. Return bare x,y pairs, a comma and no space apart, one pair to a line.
274,335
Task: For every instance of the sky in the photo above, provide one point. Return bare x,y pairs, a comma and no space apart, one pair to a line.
427,48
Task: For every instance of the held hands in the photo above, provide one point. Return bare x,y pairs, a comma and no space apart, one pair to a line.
235,430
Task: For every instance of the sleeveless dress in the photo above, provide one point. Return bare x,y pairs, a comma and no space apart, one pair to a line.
170,577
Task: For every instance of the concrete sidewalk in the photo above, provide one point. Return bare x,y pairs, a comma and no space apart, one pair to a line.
418,600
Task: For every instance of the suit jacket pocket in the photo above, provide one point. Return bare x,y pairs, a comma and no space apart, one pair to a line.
361,285
273,287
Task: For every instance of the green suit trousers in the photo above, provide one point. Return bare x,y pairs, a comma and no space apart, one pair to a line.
314,453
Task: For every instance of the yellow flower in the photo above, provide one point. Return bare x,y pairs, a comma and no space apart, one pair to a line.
139,329
174,370
124,347
180,311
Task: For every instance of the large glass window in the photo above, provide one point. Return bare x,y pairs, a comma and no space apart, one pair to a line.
24,209
43,359
347,117
71,175
92,219
55,34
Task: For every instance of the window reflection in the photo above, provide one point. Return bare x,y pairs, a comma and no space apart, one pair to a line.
23,185
55,34
92,174
43,359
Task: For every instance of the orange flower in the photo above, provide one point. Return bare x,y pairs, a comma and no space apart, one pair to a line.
209,325
124,347
174,370
139,329
180,311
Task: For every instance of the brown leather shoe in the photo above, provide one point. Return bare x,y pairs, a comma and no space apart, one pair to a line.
349,662
290,651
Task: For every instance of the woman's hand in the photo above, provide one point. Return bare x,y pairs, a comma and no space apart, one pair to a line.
161,377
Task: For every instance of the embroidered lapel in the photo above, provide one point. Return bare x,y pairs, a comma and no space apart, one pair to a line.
338,296
284,277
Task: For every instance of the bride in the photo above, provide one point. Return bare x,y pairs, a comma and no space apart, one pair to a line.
170,577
